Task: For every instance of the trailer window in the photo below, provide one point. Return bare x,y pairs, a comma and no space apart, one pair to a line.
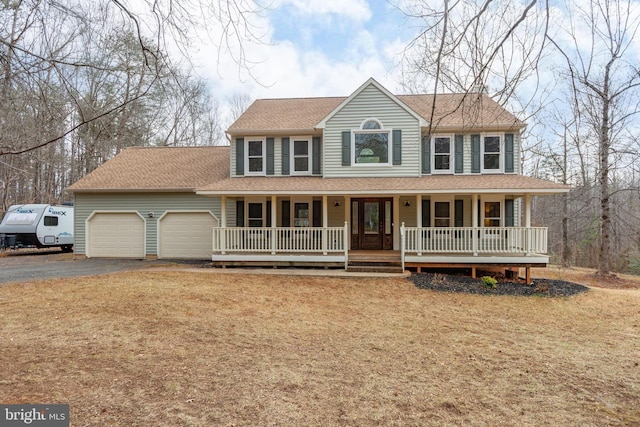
19,218
50,221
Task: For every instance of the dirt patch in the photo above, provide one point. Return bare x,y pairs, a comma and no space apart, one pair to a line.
458,283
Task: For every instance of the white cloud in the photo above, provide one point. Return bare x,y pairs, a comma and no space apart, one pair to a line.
357,10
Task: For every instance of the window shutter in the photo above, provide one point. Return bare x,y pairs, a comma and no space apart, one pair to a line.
475,153
509,161
285,156
239,213
316,156
509,213
239,156
268,213
426,213
426,154
458,208
317,213
397,147
346,148
286,213
270,155
459,154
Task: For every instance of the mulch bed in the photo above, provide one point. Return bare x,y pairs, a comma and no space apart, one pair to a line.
465,284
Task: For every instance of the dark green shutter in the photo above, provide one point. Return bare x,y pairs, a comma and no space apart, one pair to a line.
286,213
397,147
475,153
285,156
509,212
426,154
268,213
316,156
239,213
270,156
459,154
346,148
426,213
317,213
509,160
458,208
239,156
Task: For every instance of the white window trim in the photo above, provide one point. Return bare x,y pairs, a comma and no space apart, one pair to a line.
451,201
308,201
361,131
451,154
486,199
502,154
256,201
292,157
264,156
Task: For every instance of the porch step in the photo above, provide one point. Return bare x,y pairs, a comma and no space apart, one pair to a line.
375,262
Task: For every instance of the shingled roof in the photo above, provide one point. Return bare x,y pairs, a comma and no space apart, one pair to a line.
459,111
166,169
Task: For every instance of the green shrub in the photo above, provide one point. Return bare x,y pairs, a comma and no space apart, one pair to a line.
489,282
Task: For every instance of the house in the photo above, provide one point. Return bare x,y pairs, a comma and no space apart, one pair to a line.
421,179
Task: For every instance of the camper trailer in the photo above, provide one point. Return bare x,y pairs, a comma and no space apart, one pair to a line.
39,226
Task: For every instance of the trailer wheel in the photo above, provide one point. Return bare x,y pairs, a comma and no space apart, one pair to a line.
67,248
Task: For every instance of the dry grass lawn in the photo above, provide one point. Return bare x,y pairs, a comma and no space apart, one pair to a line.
206,348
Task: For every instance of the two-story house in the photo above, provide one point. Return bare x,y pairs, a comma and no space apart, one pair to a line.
425,180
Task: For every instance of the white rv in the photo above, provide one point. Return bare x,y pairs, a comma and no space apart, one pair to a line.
39,226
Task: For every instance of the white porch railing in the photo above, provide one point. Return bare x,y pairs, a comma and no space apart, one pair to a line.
275,240
484,240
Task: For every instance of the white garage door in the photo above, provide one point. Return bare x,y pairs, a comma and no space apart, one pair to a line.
116,235
186,235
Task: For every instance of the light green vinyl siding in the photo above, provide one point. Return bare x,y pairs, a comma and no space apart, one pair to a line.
368,104
143,203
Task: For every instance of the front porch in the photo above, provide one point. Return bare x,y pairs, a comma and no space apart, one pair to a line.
420,247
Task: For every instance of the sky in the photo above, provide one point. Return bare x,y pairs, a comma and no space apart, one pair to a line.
313,48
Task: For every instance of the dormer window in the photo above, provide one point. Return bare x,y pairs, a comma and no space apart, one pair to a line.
372,144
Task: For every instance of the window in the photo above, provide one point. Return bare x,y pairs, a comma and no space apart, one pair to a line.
491,153
255,218
492,214
441,214
50,221
300,161
441,148
255,156
371,143
301,214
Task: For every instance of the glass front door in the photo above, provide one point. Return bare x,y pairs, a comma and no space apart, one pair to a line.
371,224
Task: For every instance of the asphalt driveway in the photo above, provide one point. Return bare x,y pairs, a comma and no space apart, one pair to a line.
22,265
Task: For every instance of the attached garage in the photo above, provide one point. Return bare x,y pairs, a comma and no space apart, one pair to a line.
115,235
186,235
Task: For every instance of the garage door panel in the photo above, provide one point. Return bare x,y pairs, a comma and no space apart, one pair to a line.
116,235
186,235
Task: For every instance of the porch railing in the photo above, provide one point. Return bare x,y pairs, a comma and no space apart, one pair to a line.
279,239
488,240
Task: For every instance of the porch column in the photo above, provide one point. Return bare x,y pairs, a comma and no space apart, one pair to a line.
419,222
347,224
527,210
325,223
223,224
274,213
474,223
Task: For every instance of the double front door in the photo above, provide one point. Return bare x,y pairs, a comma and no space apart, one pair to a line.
372,224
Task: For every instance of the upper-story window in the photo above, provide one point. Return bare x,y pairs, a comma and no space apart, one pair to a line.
372,143
492,157
442,149
255,159
300,160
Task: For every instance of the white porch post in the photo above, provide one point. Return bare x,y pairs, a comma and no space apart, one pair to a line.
325,223
419,222
223,224
274,213
347,221
527,224
474,223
